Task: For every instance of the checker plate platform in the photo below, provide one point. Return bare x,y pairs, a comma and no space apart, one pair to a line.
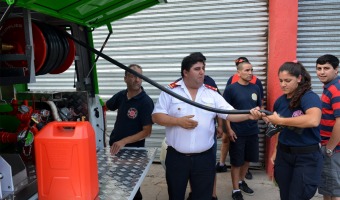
121,175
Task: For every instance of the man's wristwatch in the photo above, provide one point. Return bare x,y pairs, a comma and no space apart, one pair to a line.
329,152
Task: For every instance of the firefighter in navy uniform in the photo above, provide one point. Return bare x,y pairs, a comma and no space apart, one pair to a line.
133,123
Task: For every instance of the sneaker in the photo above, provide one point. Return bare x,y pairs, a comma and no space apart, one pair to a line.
237,195
244,188
249,176
220,168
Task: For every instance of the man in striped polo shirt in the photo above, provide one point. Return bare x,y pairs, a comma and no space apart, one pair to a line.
327,71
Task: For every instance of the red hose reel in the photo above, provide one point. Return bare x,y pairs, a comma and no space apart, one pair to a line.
53,51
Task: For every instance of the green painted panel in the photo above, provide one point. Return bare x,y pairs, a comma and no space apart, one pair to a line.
90,13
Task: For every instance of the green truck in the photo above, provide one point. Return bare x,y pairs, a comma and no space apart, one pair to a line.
47,37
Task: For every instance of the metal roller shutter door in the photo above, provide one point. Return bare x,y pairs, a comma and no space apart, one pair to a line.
318,34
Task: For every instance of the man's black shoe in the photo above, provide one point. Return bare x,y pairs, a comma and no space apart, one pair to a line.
237,195
220,168
249,176
244,188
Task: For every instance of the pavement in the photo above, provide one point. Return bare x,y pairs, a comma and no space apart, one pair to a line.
154,186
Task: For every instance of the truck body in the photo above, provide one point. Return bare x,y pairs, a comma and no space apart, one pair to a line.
47,37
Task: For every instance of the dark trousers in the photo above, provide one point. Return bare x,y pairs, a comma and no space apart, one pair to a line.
297,175
198,169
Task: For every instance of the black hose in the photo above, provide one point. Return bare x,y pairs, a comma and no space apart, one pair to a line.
164,89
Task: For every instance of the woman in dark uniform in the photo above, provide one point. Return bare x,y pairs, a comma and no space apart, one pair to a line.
297,159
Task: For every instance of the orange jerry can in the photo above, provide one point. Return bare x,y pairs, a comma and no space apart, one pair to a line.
66,161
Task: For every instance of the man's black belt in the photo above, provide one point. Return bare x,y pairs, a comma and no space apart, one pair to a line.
170,148
299,150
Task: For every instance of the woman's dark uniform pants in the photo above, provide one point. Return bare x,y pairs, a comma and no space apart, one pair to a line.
297,171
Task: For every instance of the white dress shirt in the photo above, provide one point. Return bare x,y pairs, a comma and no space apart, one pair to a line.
200,138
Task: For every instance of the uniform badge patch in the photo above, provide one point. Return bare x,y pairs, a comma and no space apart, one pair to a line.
132,113
254,96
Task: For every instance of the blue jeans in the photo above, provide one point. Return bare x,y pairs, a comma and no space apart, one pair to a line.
330,179
198,169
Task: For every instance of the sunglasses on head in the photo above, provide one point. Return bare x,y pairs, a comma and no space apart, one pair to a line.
240,60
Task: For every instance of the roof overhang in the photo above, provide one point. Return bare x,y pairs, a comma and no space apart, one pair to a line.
89,13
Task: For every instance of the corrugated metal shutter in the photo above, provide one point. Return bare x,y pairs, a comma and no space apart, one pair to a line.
318,34
158,39
55,82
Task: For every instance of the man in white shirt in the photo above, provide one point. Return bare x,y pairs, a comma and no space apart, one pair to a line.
190,131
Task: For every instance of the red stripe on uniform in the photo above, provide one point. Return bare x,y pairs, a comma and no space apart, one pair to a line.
334,90
325,99
326,111
325,133
336,106
327,122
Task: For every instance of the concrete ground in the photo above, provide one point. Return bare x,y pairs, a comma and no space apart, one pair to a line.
154,186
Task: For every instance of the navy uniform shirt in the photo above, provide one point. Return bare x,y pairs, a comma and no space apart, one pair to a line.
132,115
307,136
243,97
